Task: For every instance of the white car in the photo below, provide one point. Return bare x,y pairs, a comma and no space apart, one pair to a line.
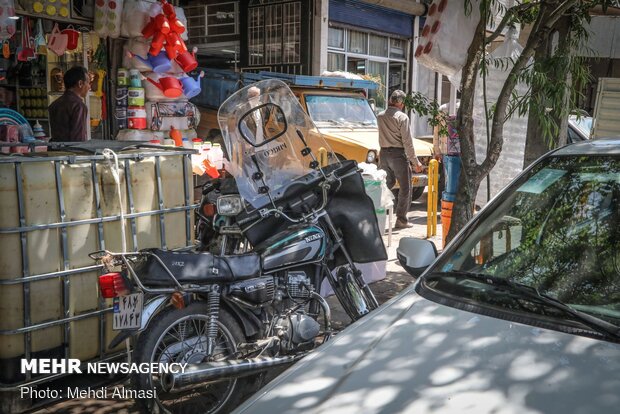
519,314
579,128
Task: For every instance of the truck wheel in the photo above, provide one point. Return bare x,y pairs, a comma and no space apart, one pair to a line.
416,192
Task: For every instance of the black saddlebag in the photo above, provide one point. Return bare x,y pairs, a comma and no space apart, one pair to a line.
195,267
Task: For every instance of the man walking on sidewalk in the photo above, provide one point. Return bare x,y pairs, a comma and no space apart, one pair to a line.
397,156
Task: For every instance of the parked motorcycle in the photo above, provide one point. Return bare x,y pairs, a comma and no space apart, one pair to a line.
232,316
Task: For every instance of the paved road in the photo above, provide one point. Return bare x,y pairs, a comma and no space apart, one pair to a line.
396,279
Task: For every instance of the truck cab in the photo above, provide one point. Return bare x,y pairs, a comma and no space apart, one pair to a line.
338,107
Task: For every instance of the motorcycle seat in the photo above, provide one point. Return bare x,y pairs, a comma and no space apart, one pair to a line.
200,268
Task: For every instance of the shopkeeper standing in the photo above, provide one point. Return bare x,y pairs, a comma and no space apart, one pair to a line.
69,114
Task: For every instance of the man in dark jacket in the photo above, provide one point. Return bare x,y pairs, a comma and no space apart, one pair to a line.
69,114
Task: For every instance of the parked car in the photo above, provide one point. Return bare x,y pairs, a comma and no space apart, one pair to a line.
579,128
519,314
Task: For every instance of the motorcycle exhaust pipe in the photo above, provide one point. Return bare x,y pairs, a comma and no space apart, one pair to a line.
222,370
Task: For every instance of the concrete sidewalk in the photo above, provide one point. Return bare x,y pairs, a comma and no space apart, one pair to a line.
396,278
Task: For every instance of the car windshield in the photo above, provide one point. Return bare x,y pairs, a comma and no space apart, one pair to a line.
346,111
555,233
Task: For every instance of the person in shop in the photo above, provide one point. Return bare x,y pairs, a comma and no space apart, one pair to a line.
398,156
69,114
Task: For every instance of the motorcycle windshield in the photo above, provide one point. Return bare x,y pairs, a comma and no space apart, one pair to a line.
267,133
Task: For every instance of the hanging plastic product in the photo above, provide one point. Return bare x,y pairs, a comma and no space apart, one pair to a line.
108,18
27,50
446,36
7,24
135,17
39,37
57,41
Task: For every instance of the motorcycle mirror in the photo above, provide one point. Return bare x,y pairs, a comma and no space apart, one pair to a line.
415,255
263,124
98,255
372,104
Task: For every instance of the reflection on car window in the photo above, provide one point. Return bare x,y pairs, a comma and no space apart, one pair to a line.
559,232
340,110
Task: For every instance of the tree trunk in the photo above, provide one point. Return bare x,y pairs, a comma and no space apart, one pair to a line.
536,144
472,173
463,207
563,27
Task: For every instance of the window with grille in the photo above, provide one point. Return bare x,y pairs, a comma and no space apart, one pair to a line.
256,22
212,23
274,32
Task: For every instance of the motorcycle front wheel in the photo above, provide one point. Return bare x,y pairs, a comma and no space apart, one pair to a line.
179,336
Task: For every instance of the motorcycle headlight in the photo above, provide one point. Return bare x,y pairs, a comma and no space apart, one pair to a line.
229,205
371,156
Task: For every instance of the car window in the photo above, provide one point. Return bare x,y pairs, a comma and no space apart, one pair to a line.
557,231
340,111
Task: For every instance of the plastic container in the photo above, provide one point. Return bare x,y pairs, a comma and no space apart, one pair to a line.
381,219
121,96
197,144
374,191
120,113
135,79
176,135
135,96
446,217
122,77
30,246
136,117
187,143
217,156
452,167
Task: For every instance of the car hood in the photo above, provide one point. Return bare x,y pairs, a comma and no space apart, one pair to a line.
416,356
369,138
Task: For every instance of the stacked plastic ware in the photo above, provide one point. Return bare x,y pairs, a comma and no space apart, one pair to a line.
450,147
157,51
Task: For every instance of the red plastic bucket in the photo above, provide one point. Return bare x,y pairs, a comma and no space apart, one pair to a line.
136,117
72,37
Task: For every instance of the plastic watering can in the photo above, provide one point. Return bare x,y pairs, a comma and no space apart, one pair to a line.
159,63
191,86
169,85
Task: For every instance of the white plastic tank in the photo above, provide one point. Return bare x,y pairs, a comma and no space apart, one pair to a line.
216,156
59,188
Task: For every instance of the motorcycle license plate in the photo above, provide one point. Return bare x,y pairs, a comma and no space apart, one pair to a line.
127,311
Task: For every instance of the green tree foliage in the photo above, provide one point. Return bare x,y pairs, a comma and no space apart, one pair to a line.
544,93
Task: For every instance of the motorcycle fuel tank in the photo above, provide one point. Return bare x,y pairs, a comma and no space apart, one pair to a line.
294,246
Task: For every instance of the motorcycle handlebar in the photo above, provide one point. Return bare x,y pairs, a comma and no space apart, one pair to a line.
326,184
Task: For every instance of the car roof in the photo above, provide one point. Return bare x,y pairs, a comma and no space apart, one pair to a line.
600,146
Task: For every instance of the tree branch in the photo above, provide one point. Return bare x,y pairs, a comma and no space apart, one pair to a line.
469,76
507,16
542,27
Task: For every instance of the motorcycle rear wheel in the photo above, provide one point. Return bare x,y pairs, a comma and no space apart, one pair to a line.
175,336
